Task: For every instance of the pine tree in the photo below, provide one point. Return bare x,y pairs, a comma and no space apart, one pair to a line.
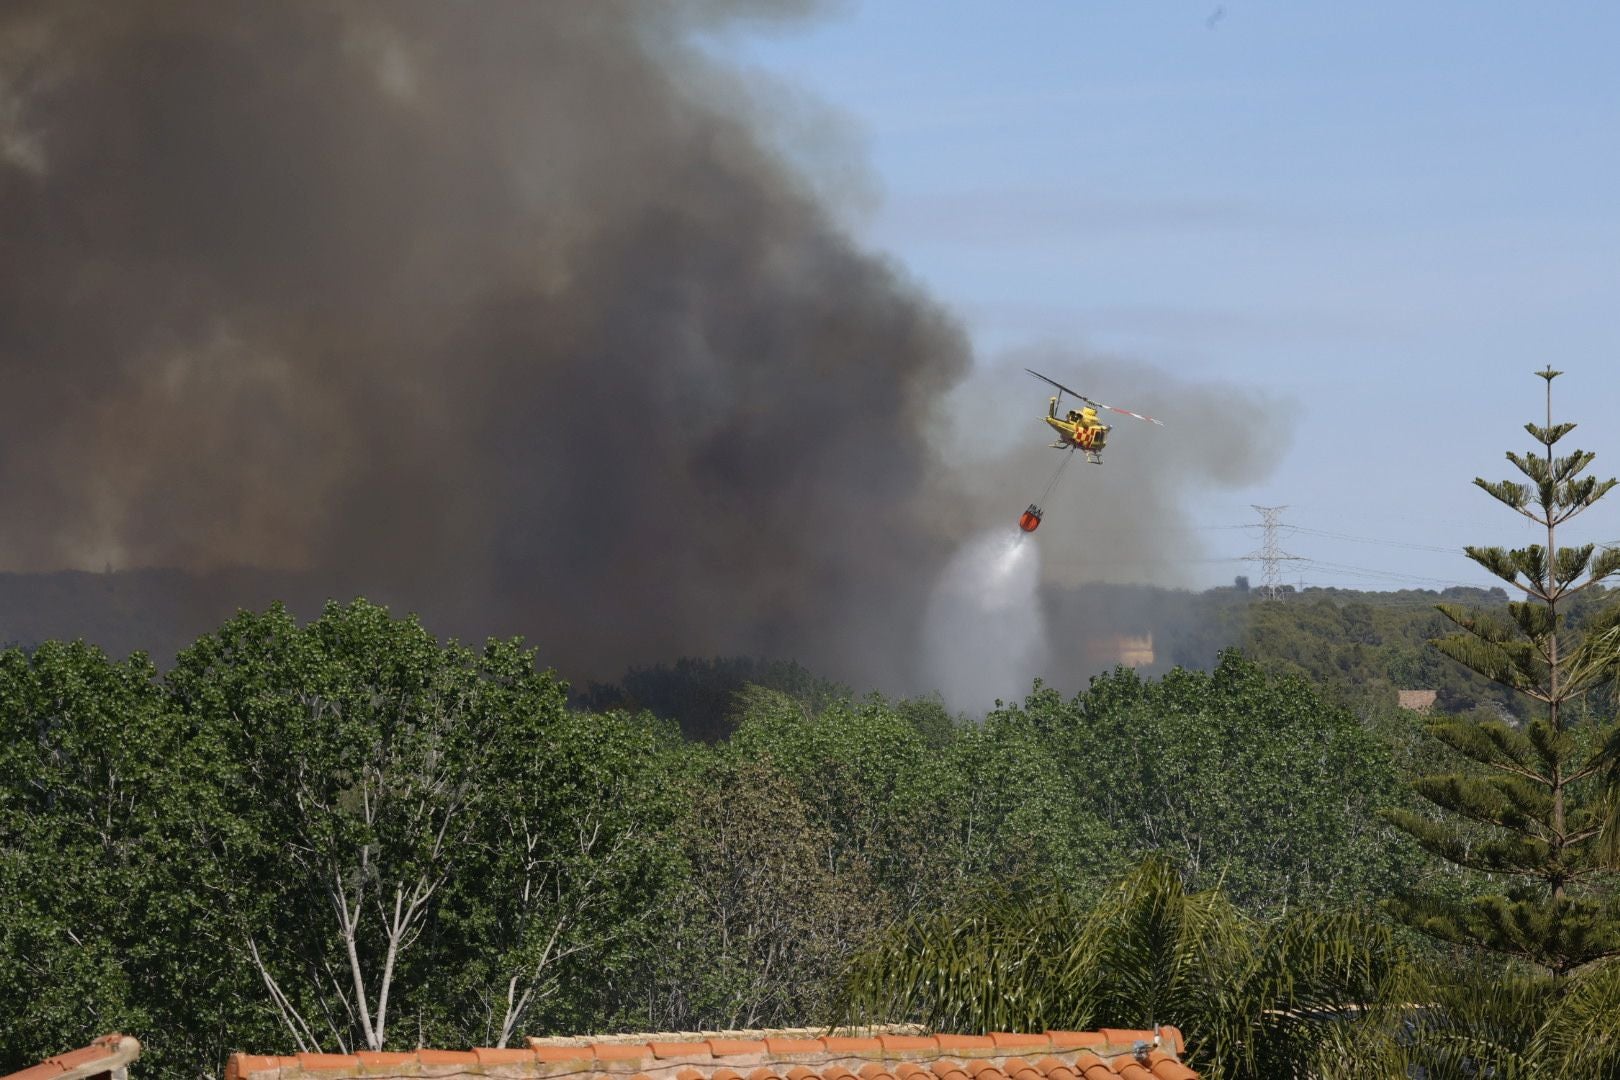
1530,797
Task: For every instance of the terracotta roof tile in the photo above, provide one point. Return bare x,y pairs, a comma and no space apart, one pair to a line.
686,1051
731,1047
960,1044
74,1058
1093,1067
447,1057
1168,1068
243,1064
109,1054
372,1060
785,1047
1019,1069
894,1043
837,1044
1129,1068
505,1056
327,1062
37,1072
1109,1054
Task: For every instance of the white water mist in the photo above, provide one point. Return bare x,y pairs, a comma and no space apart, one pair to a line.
985,636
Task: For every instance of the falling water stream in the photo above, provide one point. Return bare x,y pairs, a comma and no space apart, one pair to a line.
985,636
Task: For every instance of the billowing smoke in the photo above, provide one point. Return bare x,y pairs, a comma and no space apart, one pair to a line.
509,313
985,635
494,310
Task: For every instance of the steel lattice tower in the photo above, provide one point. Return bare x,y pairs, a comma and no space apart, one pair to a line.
1270,555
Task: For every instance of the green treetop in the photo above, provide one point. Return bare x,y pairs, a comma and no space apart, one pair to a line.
1529,797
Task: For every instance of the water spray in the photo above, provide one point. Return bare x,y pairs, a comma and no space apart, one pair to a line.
985,636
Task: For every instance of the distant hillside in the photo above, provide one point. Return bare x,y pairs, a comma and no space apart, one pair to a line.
1354,645
1351,644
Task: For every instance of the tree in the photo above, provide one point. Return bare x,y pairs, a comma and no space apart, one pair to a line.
769,913
402,829
864,772
344,758
82,740
1234,775
574,848
105,925
1529,798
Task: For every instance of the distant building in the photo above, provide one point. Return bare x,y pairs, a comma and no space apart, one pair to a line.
1419,701
1136,652
1129,650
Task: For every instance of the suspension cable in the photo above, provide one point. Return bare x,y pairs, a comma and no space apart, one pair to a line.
1057,474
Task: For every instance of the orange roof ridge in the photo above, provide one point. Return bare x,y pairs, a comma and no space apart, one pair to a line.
751,1034
108,1056
779,1054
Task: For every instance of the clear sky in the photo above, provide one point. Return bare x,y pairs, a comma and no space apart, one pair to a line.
1379,217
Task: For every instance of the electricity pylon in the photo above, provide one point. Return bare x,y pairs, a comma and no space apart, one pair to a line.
1270,555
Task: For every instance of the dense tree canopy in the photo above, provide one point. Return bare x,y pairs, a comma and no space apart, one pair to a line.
1234,775
348,833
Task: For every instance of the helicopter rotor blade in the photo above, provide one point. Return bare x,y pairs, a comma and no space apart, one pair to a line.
1060,386
1127,412
1092,401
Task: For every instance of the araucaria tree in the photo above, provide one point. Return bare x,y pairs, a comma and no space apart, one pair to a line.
1530,797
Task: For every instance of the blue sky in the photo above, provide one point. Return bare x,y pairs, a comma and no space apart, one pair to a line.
1379,218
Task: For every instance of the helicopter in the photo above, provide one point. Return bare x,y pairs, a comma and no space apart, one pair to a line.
1080,429
1077,429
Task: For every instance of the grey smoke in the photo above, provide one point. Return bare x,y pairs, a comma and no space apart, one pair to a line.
509,313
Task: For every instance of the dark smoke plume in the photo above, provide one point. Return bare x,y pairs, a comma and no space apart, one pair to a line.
504,312
495,310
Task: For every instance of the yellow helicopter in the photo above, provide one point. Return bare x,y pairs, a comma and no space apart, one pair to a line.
1077,429
1080,429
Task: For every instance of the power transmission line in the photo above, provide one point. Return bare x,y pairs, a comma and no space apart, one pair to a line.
1330,534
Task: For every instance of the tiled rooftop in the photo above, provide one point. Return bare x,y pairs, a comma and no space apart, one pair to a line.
108,1056
1108,1054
